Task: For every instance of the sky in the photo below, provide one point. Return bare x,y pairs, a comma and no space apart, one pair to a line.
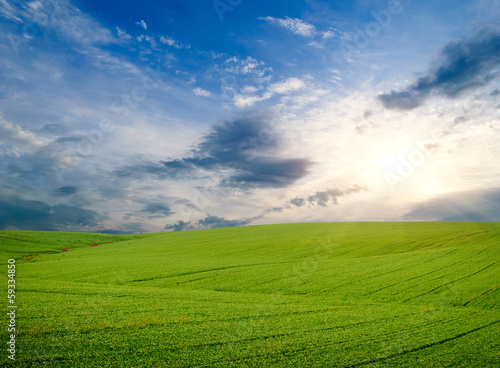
128,117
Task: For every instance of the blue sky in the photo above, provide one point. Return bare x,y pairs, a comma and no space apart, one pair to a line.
163,116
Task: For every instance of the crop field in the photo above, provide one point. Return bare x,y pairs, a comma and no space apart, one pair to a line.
297,295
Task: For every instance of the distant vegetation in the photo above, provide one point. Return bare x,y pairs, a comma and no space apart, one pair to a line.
299,295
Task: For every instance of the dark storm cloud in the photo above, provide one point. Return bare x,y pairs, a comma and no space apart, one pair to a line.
247,149
467,206
465,64
157,209
65,191
36,215
209,222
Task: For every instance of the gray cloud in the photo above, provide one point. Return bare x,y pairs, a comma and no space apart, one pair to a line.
299,202
246,148
187,203
56,129
180,226
66,191
466,206
157,209
320,198
126,228
465,64
330,195
209,222
68,139
214,222
36,215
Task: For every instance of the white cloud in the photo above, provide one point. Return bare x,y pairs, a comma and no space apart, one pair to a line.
171,42
143,24
294,25
245,76
68,21
84,33
279,88
301,28
201,92
249,89
291,84
246,101
333,32
122,35
249,65
9,12
147,38
16,140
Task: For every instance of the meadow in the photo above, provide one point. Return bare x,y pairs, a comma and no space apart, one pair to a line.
295,295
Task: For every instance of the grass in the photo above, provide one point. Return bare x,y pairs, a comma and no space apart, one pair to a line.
301,295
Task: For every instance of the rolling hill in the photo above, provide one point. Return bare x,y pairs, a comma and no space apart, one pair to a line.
297,295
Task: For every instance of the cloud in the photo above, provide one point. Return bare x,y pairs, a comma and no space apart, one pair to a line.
299,202
56,129
320,198
289,85
13,137
66,191
180,226
8,11
214,222
72,26
171,42
201,92
186,203
335,33
24,214
294,25
142,24
122,35
330,195
249,65
464,206
68,21
157,209
147,38
301,28
126,228
209,222
245,153
465,64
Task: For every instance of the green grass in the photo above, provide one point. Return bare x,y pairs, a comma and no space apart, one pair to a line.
299,295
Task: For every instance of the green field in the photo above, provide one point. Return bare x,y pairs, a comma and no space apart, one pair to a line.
298,295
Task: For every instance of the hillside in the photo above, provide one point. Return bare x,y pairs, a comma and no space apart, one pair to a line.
298,295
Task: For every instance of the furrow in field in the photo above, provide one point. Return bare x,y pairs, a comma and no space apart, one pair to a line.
451,282
492,290
422,347
424,274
